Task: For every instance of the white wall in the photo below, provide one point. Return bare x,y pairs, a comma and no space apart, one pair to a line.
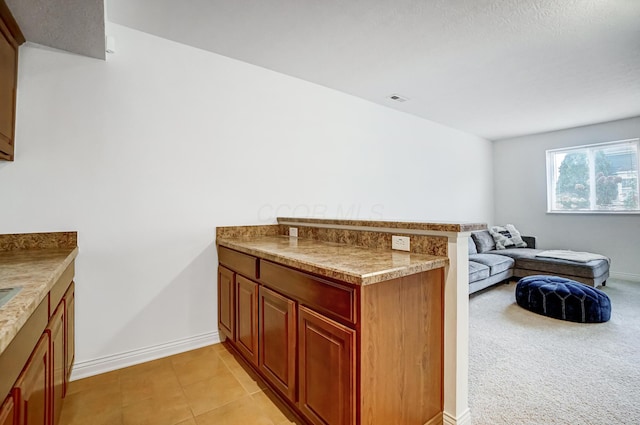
521,197
145,154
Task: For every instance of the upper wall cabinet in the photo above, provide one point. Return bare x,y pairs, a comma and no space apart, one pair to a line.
10,39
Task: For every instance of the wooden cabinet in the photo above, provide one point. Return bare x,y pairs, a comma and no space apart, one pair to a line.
33,388
10,39
247,318
69,333
326,369
226,302
55,329
8,412
277,340
337,353
36,378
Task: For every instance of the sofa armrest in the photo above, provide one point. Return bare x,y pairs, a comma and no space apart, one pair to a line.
530,241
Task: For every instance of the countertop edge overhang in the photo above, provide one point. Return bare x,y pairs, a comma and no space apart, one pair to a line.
398,263
36,271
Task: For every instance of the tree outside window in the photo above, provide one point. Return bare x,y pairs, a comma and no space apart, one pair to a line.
595,178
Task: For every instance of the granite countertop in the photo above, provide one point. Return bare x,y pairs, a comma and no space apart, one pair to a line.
351,264
36,271
405,225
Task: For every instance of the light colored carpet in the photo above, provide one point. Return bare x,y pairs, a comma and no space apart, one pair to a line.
530,369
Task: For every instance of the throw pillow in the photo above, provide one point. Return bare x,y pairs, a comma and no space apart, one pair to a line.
507,237
472,247
516,237
483,240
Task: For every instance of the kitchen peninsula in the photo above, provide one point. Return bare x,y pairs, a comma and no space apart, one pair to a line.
344,329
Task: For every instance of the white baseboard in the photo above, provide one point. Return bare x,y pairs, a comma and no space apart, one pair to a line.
463,419
104,364
625,276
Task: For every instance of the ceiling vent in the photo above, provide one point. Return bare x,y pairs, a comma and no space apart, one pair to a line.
398,98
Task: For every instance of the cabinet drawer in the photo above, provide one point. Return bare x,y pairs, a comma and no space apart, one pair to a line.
325,296
239,262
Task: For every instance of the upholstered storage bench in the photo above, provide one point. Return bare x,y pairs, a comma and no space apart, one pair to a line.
563,299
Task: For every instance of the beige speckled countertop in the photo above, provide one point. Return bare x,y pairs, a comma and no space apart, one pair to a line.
405,225
36,271
352,264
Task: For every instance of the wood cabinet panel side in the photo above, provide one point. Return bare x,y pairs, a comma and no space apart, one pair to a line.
401,354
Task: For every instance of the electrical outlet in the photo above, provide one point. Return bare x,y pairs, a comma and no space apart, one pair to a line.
293,231
400,242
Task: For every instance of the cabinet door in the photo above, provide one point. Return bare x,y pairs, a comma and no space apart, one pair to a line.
33,387
326,369
8,73
247,318
8,412
69,333
226,302
56,335
277,336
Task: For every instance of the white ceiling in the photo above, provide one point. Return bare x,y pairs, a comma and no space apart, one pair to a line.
495,68
73,25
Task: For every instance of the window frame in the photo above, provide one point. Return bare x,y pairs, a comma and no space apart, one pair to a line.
551,181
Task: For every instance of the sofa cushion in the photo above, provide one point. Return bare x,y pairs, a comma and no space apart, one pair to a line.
516,253
477,271
496,263
472,246
483,240
525,258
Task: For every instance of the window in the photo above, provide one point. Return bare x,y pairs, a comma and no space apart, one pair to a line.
601,178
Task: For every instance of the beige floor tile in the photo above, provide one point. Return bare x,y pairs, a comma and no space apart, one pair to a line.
72,416
143,367
271,407
211,393
219,347
198,367
149,383
190,421
93,402
243,374
240,412
225,354
209,383
159,410
93,382
208,351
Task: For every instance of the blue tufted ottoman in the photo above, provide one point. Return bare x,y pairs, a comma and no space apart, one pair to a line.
564,299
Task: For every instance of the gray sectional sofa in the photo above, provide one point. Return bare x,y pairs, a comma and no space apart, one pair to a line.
488,266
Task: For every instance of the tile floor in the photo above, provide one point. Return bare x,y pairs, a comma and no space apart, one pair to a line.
201,387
